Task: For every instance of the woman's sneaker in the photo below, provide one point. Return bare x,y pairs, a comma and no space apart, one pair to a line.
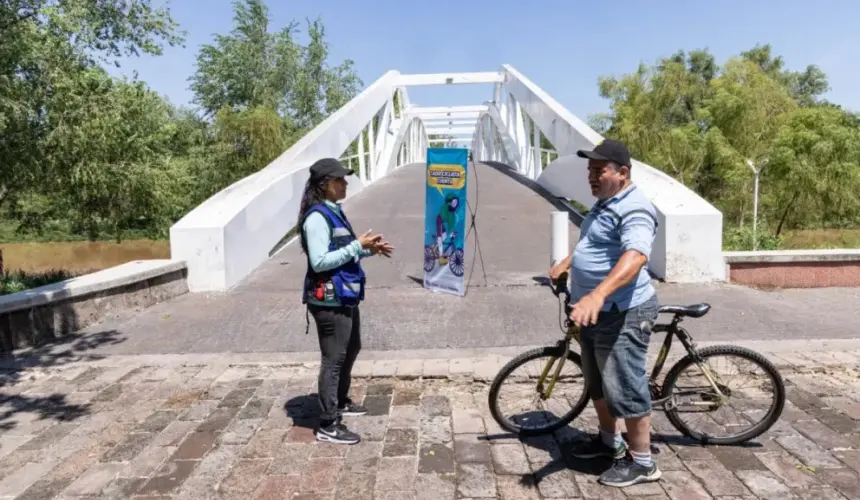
351,409
337,433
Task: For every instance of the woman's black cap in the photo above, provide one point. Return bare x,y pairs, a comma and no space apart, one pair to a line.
328,167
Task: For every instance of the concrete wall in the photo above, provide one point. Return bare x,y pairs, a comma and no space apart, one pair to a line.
39,315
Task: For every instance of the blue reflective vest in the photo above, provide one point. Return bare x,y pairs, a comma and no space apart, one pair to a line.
347,281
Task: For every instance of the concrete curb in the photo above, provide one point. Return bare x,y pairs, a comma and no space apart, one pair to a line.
477,364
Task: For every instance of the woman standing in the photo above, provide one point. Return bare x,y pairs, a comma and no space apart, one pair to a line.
333,288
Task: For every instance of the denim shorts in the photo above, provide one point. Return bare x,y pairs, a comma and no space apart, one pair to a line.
614,358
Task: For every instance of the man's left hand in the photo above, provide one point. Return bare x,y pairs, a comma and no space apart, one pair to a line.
584,312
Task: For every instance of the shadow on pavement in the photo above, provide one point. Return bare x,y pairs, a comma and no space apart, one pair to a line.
16,399
304,410
559,445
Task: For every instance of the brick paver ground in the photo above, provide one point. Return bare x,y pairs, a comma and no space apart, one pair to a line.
124,429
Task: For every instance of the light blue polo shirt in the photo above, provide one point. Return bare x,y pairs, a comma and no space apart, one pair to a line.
626,221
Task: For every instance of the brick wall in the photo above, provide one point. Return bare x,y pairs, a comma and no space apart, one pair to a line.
796,274
794,269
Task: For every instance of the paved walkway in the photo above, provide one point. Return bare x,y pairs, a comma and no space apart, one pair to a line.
505,307
216,427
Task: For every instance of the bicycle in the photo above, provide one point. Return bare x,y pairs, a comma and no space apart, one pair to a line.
664,396
452,255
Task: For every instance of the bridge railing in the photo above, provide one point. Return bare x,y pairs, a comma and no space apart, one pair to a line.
411,143
229,235
688,247
545,155
411,147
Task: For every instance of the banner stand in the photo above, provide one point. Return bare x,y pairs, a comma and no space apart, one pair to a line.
445,220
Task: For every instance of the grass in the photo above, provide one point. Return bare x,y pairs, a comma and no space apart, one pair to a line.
18,281
52,232
822,238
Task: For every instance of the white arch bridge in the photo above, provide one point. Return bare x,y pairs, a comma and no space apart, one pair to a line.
235,232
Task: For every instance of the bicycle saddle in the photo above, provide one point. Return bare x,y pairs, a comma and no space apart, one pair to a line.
693,310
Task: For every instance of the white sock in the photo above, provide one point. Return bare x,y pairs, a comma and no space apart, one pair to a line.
643,459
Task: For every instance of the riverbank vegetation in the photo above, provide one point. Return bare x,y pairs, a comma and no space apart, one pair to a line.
84,155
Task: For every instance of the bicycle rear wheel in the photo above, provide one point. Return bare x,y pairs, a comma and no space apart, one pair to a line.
540,420
757,409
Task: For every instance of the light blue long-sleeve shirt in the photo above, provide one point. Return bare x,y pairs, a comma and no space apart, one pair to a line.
318,238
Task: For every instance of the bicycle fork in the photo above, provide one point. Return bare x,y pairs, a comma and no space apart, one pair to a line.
546,394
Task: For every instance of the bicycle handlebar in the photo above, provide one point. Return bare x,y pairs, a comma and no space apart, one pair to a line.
559,287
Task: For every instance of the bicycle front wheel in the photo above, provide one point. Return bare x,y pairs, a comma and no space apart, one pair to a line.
735,414
534,410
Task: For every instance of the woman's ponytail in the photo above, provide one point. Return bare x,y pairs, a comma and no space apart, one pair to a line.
314,193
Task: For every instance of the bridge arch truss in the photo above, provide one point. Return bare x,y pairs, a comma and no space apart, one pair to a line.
232,233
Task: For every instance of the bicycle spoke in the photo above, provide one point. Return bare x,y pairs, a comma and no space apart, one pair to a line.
521,398
701,409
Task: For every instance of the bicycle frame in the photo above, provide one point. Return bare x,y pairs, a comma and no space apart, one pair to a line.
449,246
671,329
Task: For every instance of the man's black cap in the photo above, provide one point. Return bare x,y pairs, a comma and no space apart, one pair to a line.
608,150
328,167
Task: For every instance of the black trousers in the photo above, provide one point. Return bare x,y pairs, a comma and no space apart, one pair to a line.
339,331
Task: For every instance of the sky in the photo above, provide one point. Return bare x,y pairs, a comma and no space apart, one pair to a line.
563,46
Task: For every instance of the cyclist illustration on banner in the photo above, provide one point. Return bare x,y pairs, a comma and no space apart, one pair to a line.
445,220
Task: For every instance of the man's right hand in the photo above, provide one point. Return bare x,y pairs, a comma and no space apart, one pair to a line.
558,270
368,240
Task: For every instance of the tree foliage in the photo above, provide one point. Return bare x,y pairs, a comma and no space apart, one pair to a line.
702,122
102,156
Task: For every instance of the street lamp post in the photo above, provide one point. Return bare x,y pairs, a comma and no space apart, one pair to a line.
756,171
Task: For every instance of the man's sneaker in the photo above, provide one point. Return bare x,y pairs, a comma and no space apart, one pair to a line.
597,448
626,472
337,433
351,410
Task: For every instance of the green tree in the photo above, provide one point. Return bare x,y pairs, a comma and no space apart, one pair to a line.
251,67
701,123
48,66
814,170
806,86
440,140
85,153
109,151
264,91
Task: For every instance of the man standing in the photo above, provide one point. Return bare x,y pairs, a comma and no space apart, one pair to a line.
614,304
